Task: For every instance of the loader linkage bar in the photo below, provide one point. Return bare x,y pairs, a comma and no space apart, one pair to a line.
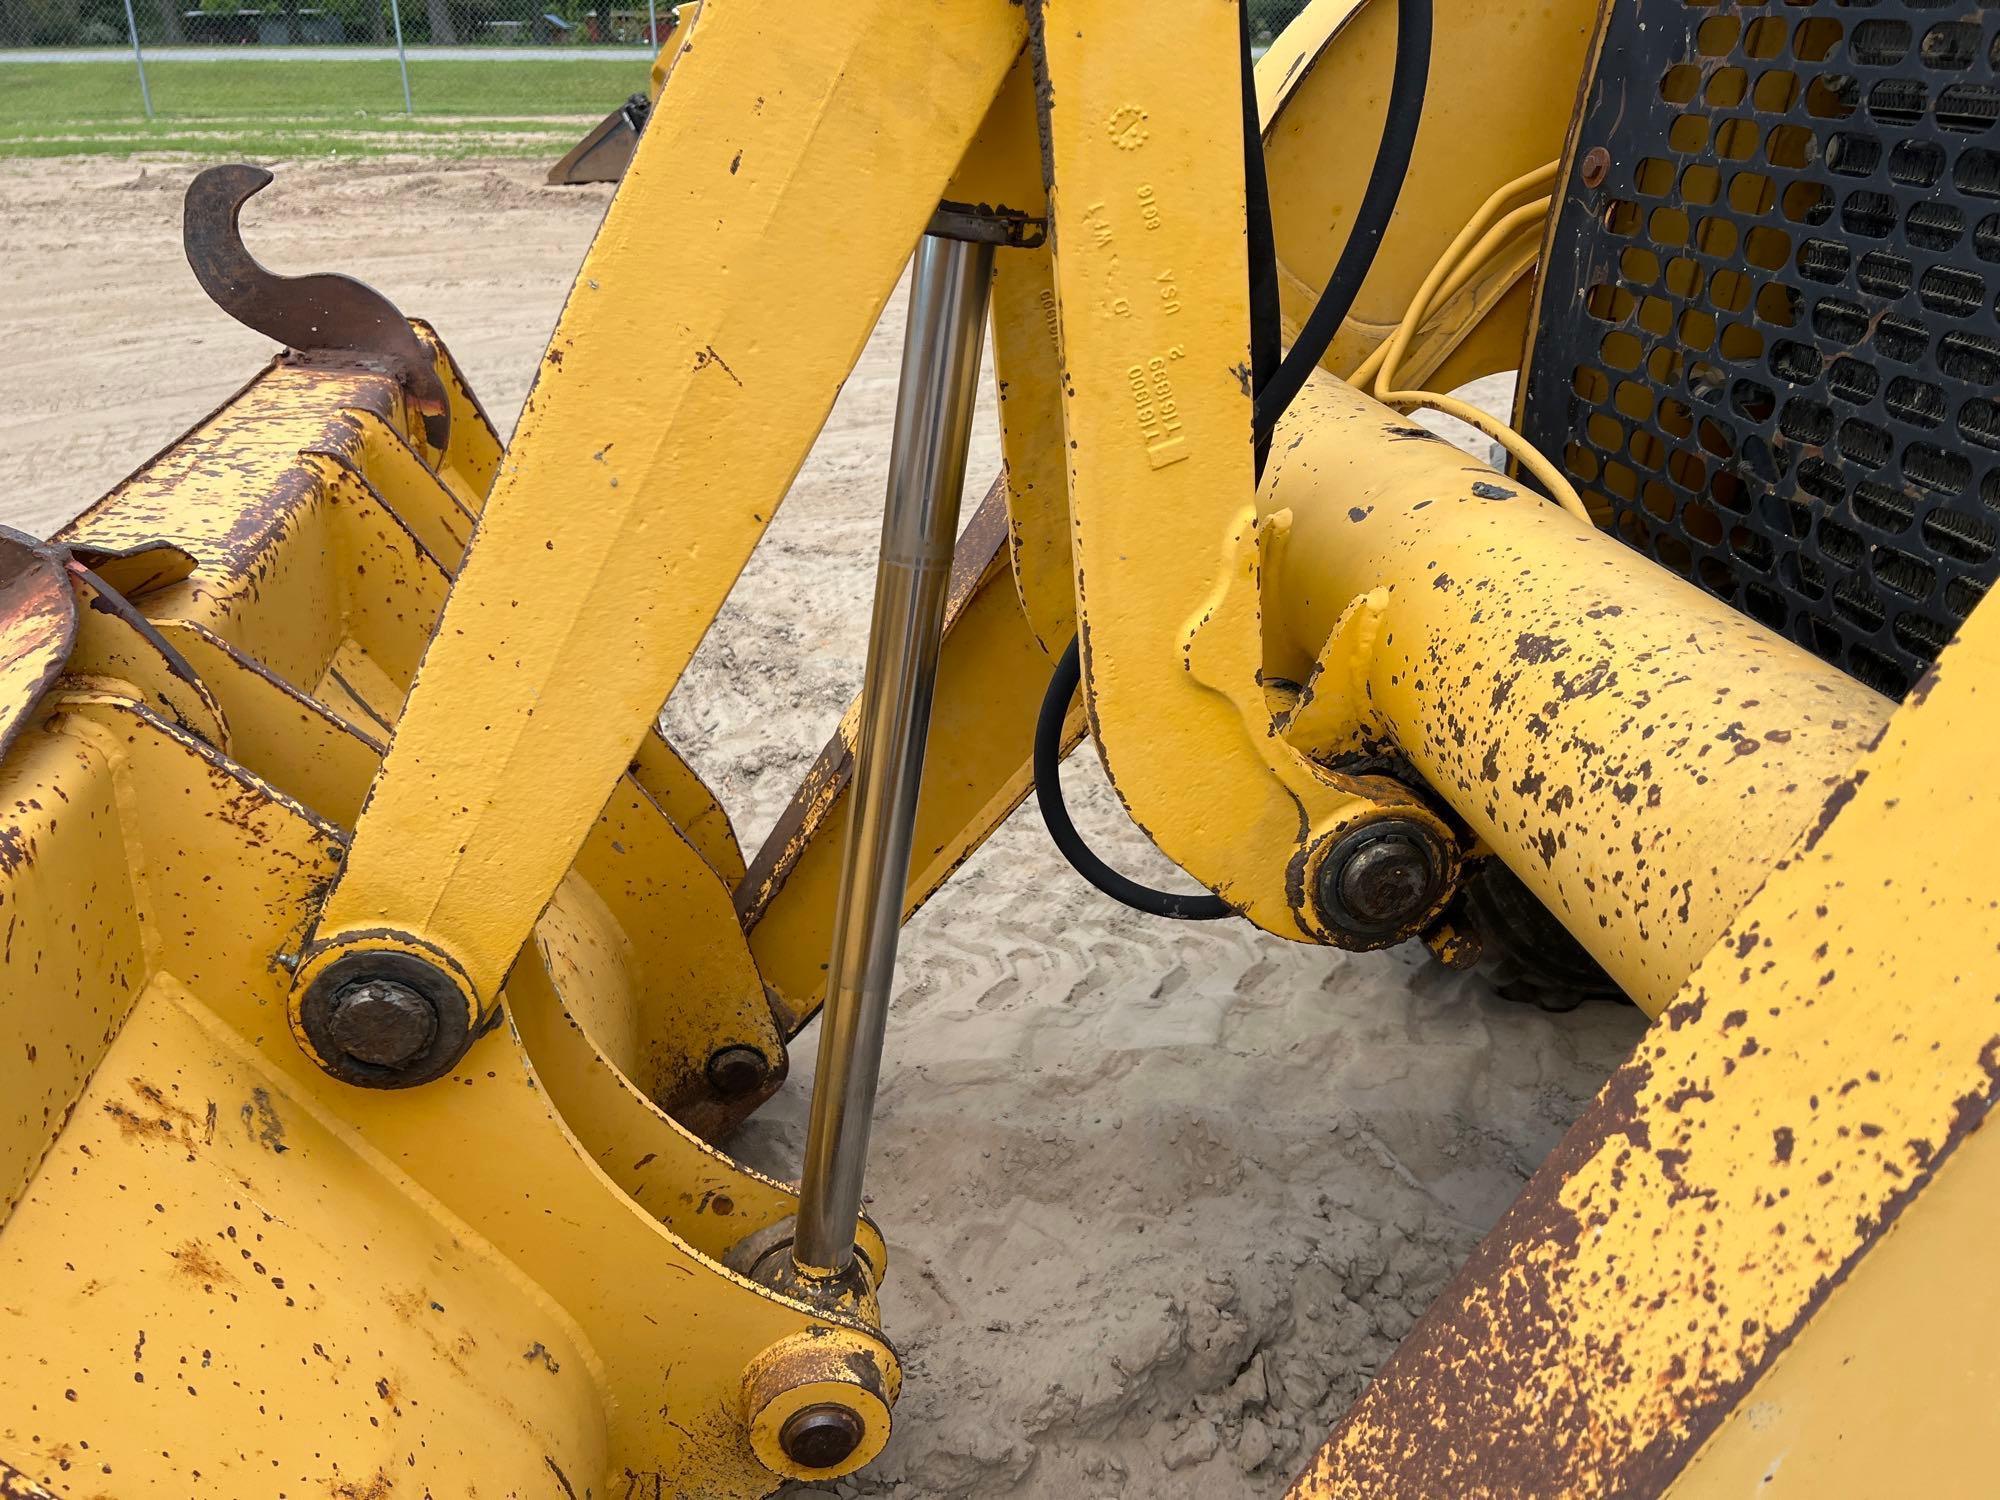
359,918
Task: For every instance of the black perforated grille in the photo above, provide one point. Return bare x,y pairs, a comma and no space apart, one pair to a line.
1770,343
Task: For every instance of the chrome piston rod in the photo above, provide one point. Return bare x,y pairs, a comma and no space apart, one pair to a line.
934,404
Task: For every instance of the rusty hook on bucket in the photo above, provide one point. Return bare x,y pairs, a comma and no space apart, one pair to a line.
321,313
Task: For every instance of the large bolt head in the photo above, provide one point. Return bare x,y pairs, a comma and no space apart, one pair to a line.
1380,879
382,1022
383,1018
1388,881
821,1436
737,1071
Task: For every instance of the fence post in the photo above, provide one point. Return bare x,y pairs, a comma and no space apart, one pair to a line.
402,57
652,27
138,59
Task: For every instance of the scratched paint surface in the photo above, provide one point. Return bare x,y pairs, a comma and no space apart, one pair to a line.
37,628
197,1282
1825,1059
138,866
1639,753
658,1337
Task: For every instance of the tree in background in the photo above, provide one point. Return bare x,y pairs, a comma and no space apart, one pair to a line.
70,23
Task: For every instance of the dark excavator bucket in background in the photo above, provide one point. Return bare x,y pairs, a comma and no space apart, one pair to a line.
603,155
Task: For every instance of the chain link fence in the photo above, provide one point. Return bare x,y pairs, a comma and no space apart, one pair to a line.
110,75
1269,17
29,25
58,25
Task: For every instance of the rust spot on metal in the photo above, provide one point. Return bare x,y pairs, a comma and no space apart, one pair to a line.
538,1353
1538,649
199,1264
378,1486
1445,1415
980,545
138,570
137,1127
706,356
37,628
866,1372
1842,794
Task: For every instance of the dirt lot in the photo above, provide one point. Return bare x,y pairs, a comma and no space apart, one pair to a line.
1160,1198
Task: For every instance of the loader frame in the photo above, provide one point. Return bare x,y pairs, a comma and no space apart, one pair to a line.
358,706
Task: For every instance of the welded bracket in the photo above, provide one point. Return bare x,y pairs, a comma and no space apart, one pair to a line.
1330,716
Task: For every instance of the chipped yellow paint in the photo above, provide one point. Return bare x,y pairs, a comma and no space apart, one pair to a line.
241,1313
1884,1392
1733,1184
308,614
97,956
809,1370
293,741
386,463
118,652
1635,750
1639,754
321,550
657,1336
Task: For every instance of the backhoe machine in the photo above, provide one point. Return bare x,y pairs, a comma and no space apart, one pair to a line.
380,982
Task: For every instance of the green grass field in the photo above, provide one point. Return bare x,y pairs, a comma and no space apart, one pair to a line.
294,108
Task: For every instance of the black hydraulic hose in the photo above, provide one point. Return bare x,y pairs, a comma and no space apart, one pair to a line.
1371,220
1274,384
1267,337
1048,793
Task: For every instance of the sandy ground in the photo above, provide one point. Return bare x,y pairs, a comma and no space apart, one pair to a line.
1161,1198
